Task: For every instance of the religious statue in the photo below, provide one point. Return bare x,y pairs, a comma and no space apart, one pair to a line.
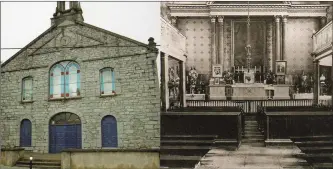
304,82
269,77
228,78
174,82
193,79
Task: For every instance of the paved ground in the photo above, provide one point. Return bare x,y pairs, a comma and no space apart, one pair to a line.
5,167
248,157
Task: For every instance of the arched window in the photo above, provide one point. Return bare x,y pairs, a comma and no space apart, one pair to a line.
109,132
25,133
107,81
27,89
65,80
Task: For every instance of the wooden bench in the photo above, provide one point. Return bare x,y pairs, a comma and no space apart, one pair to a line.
318,150
184,151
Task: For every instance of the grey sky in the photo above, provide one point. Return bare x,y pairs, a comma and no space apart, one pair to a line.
21,22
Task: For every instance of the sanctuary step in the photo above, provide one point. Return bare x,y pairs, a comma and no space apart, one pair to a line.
40,161
252,136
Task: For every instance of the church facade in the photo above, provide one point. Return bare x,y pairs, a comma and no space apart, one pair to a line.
249,51
80,86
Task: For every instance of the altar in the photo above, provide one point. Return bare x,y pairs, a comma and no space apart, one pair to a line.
255,91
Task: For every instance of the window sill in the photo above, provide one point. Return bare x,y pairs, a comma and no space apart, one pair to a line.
26,101
108,95
65,98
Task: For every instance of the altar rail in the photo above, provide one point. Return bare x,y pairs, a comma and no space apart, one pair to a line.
250,106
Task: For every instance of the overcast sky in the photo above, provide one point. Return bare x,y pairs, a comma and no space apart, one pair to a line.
22,22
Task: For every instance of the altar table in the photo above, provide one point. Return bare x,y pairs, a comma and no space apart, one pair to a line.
255,91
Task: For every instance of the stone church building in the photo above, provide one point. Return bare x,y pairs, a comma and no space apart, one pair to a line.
80,86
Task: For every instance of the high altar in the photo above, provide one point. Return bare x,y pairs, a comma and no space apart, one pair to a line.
247,51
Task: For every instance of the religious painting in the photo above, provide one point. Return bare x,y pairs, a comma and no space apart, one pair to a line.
217,71
281,67
257,42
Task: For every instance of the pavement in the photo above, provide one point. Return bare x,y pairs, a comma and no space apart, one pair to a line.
6,167
248,157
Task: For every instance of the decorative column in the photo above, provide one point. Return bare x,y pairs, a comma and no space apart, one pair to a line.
220,40
164,81
174,21
277,38
332,64
269,46
182,84
323,20
213,43
284,38
316,82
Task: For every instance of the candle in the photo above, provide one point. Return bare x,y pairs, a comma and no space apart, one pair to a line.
242,68
255,69
238,69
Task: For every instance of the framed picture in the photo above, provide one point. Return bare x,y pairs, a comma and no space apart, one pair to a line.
217,71
281,67
216,81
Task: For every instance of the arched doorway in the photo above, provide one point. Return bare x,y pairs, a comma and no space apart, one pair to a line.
25,133
109,132
65,132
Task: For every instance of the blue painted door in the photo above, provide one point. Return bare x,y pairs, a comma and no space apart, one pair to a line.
64,136
109,132
25,133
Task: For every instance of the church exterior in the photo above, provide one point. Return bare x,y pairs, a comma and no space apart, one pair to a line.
240,51
80,86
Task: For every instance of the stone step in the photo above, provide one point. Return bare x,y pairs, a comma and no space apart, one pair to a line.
261,137
39,166
178,161
188,137
323,165
259,144
35,163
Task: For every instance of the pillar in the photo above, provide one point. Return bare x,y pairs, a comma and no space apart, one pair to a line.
174,21
323,20
61,6
332,64
316,83
270,51
164,81
284,39
277,38
213,44
220,40
182,84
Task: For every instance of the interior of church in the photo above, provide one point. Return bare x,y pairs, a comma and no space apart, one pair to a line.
246,84
250,50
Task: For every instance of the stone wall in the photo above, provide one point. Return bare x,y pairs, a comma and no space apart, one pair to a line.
111,158
136,105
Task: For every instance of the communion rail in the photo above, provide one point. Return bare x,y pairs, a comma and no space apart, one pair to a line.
250,106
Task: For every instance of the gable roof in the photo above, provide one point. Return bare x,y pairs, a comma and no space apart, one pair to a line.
77,22
28,45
